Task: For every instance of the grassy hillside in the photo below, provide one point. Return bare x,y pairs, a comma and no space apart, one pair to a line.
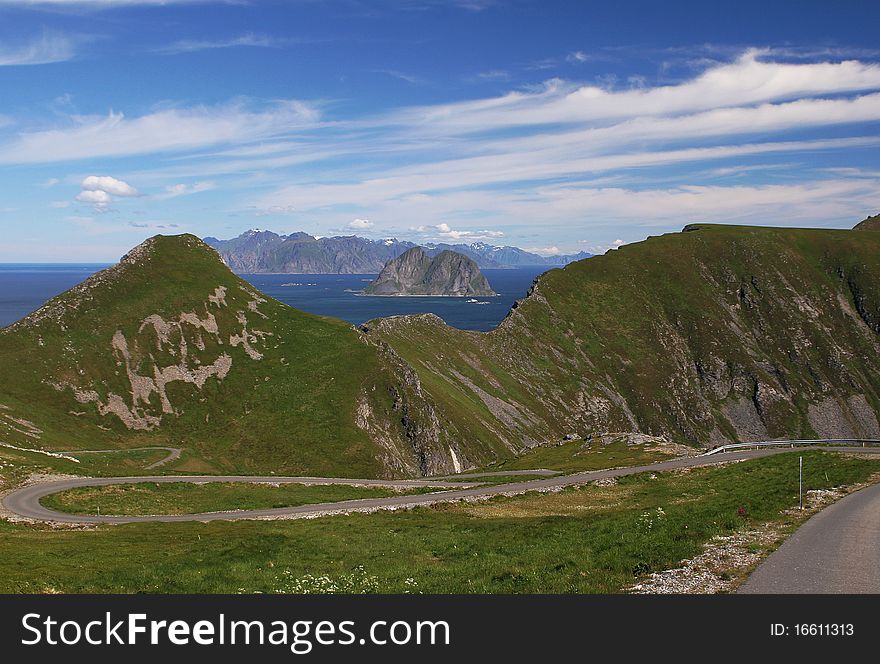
869,224
715,334
170,348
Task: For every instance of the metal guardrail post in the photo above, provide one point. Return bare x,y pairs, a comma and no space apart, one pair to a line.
801,482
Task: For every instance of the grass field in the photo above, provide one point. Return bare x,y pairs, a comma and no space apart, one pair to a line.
188,498
576,456
588,540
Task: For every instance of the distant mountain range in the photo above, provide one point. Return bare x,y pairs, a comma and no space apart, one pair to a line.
258,251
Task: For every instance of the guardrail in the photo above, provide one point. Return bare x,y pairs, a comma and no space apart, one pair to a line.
864,442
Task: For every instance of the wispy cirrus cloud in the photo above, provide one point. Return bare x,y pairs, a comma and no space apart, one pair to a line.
103,4
496,158
169,130
180,189
48,48
249,40
737,141
401,75
746,81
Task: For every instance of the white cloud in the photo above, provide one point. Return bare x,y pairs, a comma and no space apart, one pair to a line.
577,56
547,251
443,231
275,209
175,190
109,185
777,204
169,130
492,75
155,225
409,184
597,249
247,40
48,48
578,132
99,190
97,197
566,157
748,80
403,76
361,224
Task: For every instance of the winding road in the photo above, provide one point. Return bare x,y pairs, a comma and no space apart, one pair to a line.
173,454
836,551
25,502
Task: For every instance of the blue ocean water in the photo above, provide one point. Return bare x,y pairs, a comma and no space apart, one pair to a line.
25,287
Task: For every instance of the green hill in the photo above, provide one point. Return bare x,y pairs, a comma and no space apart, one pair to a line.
869,224
170,348
716,334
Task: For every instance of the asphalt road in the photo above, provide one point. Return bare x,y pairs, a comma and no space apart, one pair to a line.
837,551
26,501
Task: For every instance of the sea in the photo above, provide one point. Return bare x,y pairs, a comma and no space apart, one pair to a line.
24,287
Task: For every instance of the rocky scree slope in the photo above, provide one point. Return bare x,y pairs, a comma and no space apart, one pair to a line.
715,334
170,348
415,273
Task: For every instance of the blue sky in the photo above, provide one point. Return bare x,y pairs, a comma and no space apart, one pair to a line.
554,126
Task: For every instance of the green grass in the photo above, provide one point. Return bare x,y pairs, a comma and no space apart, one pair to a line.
292,411
576,456
666,333
188,498
592,539
660,336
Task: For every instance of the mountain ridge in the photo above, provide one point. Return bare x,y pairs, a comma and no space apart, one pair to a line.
718,334
265,252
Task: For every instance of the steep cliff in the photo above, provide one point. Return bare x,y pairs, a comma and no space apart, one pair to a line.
716,334
416,273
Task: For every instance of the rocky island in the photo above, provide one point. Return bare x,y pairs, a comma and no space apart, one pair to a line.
415,273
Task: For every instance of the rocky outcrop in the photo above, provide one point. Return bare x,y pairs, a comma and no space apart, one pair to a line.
416,273
869,224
